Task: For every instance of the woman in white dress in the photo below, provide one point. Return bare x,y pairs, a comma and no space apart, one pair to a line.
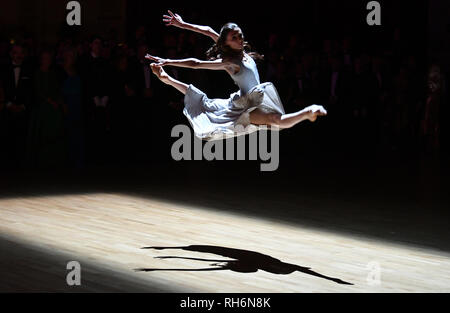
253,107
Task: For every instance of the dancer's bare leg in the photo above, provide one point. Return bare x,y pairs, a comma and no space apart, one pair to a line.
258,117
166,79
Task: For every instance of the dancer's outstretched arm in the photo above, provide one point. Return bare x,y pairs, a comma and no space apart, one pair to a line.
194,63
176,20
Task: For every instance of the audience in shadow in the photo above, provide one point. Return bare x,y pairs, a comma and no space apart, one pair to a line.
89,102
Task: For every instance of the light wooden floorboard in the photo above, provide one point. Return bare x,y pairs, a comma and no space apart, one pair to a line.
108,230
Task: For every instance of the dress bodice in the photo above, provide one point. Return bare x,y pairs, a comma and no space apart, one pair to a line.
248,76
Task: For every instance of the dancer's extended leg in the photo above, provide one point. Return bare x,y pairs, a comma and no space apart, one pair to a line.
258,117
166,79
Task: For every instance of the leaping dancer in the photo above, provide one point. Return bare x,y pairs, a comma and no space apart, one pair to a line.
254,106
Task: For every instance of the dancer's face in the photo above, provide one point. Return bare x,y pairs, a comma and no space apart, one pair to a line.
235,39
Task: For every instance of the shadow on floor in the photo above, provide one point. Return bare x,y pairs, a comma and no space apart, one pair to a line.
245,262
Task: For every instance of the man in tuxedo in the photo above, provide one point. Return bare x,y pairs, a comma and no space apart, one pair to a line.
18,89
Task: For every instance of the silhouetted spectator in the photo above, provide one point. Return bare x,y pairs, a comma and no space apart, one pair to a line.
140,37
4,53
144,77
18,85
347,53
3,137
401,108
364,101
126,115
430,119
96,76
46,138
383,113
301,87
73,109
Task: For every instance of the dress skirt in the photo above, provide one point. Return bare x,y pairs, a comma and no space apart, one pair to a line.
215,119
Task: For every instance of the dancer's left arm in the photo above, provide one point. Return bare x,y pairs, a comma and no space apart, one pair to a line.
177,21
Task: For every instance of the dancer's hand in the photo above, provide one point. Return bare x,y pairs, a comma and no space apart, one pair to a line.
160,73
160,61
173,20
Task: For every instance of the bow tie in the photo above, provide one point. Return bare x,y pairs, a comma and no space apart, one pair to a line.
16,66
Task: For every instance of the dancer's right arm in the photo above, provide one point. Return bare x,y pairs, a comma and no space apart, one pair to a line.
176,20
218,64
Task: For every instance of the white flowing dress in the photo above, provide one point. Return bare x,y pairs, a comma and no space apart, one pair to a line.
215,119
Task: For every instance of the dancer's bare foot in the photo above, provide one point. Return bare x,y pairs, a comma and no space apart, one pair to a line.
314,111
160,73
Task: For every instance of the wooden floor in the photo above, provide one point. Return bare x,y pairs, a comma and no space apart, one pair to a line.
105,233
